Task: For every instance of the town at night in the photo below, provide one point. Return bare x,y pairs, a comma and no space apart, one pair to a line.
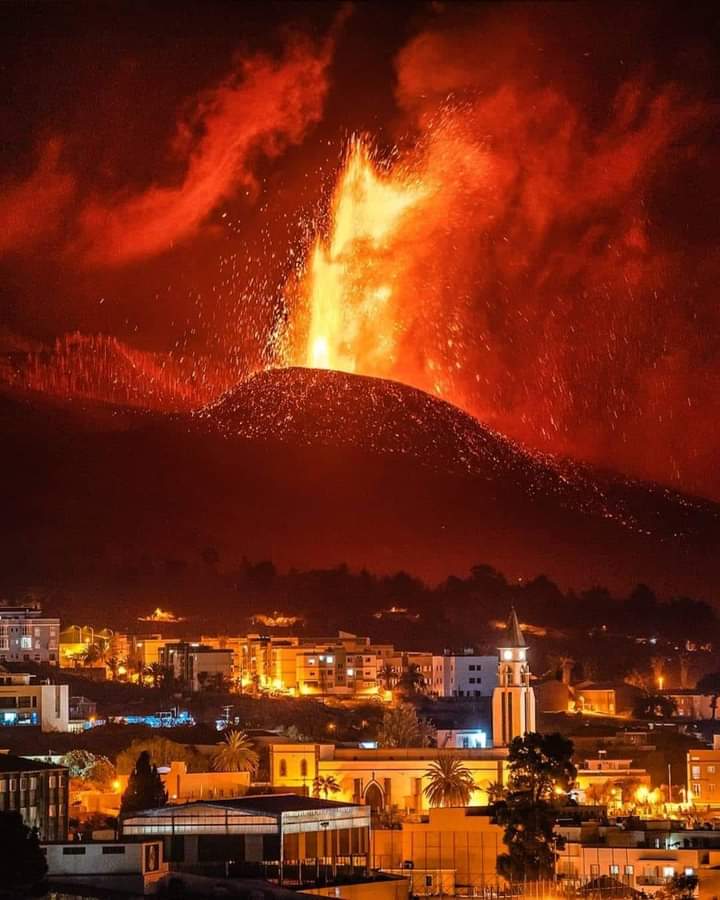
359,389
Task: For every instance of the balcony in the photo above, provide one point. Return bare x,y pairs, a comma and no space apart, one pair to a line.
652,880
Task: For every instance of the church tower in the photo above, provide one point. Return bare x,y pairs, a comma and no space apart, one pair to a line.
513,701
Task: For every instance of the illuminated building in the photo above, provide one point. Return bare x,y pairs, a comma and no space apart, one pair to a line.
38,791
28,636
25,701
464,675
196,665
127,866
381,778
604,775
644,858
281,837
462,738
513,700
446,852
703,777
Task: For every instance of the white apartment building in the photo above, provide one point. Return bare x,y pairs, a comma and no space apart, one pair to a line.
28,636
464,675
24,701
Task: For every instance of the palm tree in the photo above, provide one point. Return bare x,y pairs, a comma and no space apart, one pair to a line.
495,791
450,782
412,680
236,754
325,785
156,673
386,676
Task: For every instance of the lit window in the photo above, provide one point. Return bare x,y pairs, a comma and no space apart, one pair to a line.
695,771
507,654
689,871
629,870
668,871
711,770
614,870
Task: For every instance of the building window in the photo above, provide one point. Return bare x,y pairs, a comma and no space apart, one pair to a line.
629,870
711,770
614,869
695,771
113,849
696,789
303,768
283,768
428,881
688,871
73,851
668,872
594,869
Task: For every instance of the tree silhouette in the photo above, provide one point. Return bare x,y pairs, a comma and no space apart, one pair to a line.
236,754
411,681
450,782
386,676
145,789
541,774
325,785
401,727
24,862
710,684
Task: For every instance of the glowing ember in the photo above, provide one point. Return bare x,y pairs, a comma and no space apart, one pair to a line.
349,299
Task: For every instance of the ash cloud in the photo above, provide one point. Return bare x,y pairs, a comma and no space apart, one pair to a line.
257,111
264,105
562,301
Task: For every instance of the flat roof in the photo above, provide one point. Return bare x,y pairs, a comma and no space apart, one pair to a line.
277,803
12,763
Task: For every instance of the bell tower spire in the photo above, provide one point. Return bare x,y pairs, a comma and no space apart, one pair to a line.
513,702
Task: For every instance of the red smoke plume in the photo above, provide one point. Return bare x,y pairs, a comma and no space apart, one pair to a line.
263,106
530,283
30,210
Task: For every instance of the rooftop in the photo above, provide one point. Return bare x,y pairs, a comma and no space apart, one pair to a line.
11,763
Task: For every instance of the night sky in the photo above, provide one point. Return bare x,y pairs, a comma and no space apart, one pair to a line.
165,167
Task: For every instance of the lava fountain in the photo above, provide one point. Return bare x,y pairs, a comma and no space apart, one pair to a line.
348,292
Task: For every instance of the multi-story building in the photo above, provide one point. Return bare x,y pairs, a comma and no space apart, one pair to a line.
26,701
464,674
144,649
198,666
446,852
608,774
76,640
336,668
38,791
643,859
694,704
28,636
703,777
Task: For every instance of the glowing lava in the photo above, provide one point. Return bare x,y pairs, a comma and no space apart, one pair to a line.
352,320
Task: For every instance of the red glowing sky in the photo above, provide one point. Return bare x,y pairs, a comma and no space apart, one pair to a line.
162,185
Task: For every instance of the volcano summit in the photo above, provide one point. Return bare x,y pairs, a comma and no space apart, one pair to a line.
311,468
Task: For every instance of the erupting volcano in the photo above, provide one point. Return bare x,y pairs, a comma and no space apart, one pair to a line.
348,291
